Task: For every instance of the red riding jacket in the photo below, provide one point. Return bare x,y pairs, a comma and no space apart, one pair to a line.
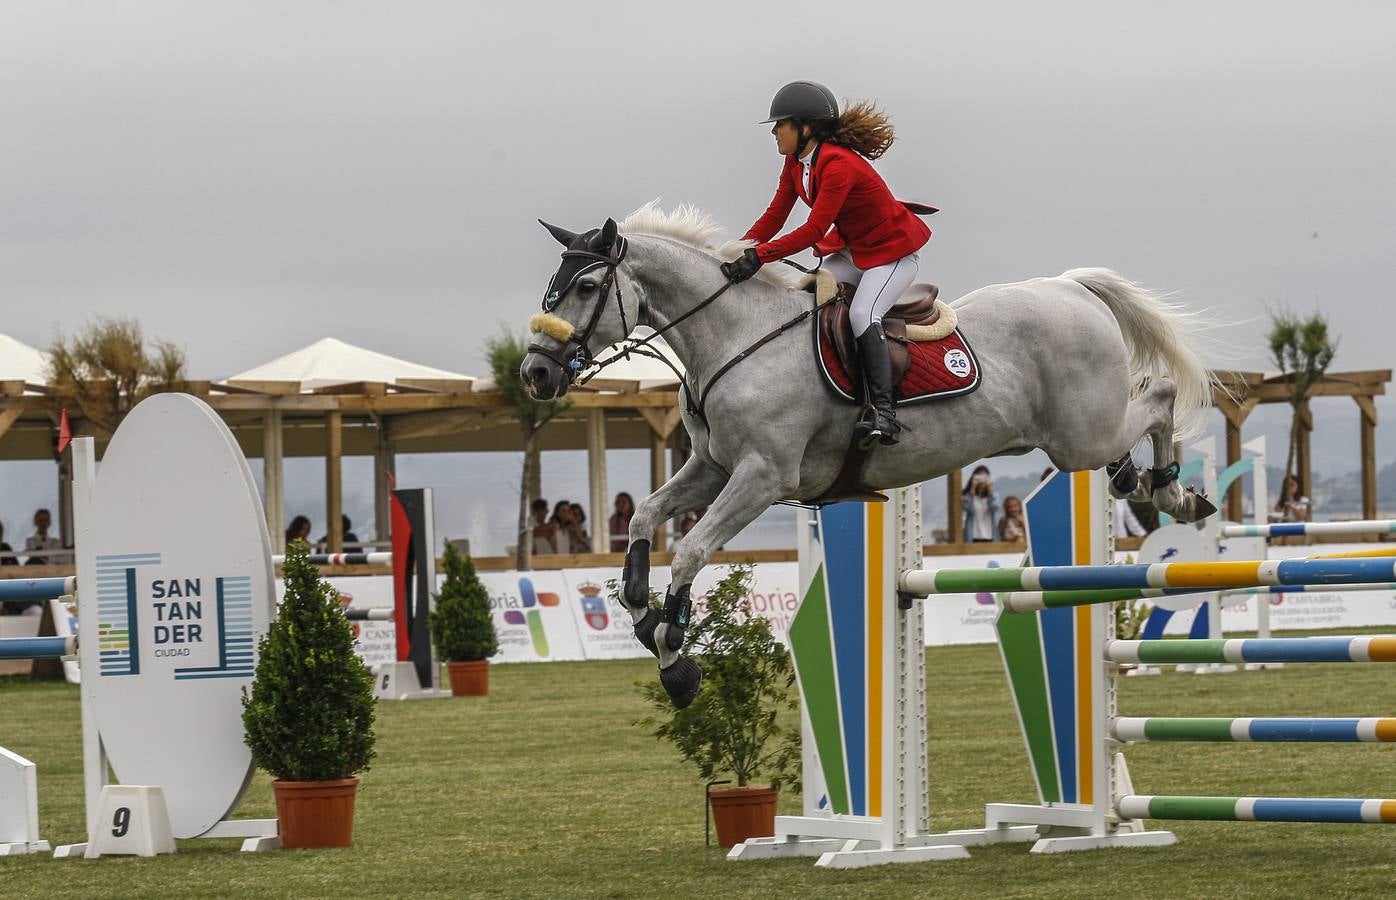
849,197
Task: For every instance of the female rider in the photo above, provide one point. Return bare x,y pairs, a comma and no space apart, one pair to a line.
864,235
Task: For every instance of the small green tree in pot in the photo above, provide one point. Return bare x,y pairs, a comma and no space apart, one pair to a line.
745,720
462,627
309,716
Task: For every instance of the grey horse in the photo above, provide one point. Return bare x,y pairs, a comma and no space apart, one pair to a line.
1083,366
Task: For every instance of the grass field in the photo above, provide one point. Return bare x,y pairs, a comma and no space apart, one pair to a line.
546,789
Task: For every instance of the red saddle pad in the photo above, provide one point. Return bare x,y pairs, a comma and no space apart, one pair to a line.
935,370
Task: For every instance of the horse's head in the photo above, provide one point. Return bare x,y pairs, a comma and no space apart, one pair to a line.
579,317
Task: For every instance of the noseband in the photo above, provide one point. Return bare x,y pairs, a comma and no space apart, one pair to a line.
575,354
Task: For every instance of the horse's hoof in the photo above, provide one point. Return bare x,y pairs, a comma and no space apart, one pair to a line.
682,681
1201,507
644,629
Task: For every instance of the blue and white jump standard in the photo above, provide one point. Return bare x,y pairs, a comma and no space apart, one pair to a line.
1057,635
860,659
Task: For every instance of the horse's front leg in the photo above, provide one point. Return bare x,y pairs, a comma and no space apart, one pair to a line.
755,484
696,484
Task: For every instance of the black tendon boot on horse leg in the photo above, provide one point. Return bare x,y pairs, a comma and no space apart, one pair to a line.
680,675
877,379
635,594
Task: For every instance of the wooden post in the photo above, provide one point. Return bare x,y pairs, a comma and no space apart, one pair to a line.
1369,456
1304,456
1233,507
955,503
334,480
273,479
384,466
658,473
596,477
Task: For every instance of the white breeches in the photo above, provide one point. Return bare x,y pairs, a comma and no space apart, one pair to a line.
877,289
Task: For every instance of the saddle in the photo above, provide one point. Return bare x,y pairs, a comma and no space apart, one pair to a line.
917,312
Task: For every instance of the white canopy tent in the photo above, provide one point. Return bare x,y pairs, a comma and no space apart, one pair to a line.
329,362
21,362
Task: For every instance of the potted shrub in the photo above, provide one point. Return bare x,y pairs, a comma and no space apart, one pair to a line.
462,627
744,722
309,715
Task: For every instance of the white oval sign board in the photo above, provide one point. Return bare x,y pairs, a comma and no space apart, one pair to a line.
1170,544
176,545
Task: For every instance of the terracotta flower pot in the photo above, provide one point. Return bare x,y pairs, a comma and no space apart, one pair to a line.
744,812
469,678
316,813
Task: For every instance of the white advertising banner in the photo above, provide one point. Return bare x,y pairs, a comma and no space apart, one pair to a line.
532,616
604,625
374,642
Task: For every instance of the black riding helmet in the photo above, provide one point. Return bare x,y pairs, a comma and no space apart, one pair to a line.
803,101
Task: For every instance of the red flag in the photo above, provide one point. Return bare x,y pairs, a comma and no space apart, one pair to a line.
65,432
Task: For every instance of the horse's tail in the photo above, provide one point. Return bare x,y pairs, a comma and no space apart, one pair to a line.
1156,334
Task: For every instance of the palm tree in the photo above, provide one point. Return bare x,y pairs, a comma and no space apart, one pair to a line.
1302,349
506,353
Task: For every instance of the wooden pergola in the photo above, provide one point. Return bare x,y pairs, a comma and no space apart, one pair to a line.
1239,393
273,420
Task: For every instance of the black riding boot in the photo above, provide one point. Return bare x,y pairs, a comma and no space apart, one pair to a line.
877,379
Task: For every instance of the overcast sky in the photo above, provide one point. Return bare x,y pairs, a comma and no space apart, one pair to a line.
248,177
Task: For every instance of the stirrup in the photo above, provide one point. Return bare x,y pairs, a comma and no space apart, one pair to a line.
872,431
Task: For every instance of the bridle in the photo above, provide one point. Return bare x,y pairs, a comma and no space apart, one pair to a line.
575,355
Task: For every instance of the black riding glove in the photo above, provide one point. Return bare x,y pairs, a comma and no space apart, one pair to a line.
743,267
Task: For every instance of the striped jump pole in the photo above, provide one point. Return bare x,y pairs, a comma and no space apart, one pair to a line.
1156,728
37,647
1272,589
1251,650
375,614
1296,529
1258,809
1049,587
37,588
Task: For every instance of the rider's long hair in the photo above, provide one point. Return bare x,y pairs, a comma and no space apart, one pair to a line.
862,128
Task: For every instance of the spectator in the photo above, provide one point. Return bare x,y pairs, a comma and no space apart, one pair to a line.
7,553
1011,526
620,522
688,521
1046,473
1292,506
580,517
1127,524
543,531
40,542
298,530
981,506
350,538
567,533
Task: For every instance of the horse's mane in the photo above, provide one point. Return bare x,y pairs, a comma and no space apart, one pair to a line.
689,225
